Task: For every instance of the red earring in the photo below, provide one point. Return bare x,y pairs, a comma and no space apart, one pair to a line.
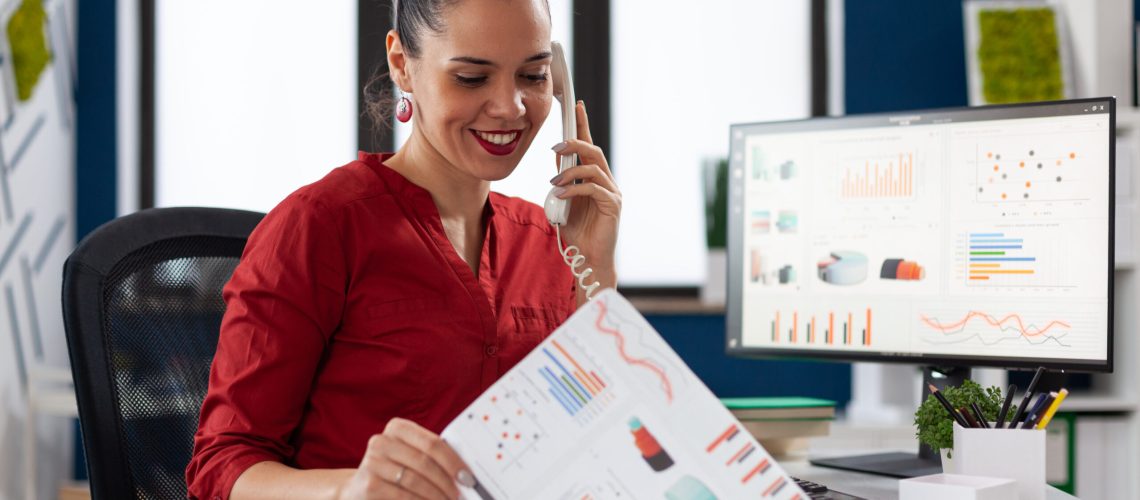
404,110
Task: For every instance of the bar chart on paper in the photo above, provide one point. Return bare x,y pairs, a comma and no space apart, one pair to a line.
580,391
746,461
603,408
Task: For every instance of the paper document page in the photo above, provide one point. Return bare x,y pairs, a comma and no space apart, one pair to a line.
603,408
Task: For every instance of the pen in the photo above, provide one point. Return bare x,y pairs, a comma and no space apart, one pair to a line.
946,404
978,415
1038,406
1045,418
1021,409
1005,407
969,418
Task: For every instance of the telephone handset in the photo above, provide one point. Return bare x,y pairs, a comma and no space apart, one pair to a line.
558,210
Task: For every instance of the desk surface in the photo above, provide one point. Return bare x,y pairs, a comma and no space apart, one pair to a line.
852,483
846,440
866,485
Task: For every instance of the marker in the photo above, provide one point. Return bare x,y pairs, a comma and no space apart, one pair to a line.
1048,416
1038,406
1005,407
1021,409
950,408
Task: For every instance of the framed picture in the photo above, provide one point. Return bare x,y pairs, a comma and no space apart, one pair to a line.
1016,51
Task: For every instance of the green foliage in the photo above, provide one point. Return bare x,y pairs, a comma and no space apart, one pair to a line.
716,206
1019,54
936,426
30,54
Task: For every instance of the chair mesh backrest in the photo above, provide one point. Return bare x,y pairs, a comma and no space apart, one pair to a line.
162,310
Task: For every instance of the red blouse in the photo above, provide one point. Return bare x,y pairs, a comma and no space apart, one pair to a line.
351,307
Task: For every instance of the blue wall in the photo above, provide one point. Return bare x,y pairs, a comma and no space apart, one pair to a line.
95,112
904,54
95,134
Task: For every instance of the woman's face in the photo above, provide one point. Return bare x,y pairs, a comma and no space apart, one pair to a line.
482,87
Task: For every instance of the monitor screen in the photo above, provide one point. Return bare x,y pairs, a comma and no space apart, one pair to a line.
973,236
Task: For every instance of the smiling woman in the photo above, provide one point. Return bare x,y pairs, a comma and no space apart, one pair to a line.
535,167
373,305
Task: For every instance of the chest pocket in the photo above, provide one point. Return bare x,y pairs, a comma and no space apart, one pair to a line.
536,322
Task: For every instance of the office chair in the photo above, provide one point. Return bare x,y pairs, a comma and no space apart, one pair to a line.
142,304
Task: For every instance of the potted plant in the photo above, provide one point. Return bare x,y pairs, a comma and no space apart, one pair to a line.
935,427
715,182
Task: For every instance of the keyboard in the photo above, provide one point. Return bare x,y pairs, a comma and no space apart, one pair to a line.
818,491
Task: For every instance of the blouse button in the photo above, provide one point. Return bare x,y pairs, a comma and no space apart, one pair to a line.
491,349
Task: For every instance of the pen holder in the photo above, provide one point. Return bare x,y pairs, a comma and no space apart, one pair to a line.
1017,454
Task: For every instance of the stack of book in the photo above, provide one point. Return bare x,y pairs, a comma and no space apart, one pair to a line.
783,425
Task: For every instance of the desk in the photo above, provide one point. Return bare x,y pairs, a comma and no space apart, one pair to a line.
847,439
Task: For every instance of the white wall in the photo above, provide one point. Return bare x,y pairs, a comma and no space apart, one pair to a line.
683,72
37,227
254,104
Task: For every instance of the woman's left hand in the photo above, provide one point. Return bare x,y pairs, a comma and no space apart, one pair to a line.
596,207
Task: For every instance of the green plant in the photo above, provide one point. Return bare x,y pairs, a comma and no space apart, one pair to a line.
30,54
1019,55
716,203
934,425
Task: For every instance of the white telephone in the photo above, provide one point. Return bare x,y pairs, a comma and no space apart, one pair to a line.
558,210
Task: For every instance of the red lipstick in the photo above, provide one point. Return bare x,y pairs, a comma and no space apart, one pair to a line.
498,149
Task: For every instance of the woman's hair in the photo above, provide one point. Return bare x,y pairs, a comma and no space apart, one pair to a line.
411,19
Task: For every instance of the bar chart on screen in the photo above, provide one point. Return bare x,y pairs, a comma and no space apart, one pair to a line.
880,177
767,167
1029,256
825,328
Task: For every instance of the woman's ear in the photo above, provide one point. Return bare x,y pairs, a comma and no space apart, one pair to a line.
398,62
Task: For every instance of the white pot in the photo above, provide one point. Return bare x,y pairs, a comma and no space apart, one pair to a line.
715,286
947,462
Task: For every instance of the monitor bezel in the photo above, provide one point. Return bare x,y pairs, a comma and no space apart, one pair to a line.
735,249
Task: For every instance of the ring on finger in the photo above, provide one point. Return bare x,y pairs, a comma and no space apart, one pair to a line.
400,474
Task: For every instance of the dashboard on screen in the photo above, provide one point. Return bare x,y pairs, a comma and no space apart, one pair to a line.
978,236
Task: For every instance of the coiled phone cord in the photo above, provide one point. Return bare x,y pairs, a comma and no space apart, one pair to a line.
573,257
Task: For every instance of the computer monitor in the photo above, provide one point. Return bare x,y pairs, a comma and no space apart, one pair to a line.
967,237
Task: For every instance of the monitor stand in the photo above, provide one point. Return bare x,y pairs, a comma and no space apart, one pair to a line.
903,465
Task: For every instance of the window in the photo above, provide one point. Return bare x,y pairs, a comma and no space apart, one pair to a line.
682,72
254,99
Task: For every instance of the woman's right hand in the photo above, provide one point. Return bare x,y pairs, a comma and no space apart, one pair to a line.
407,461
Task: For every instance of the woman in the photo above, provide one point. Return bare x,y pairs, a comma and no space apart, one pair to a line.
372,306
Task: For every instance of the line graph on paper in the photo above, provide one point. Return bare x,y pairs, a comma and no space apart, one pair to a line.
651,366
1034,333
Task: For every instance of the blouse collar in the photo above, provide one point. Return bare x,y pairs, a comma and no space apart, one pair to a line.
408,190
